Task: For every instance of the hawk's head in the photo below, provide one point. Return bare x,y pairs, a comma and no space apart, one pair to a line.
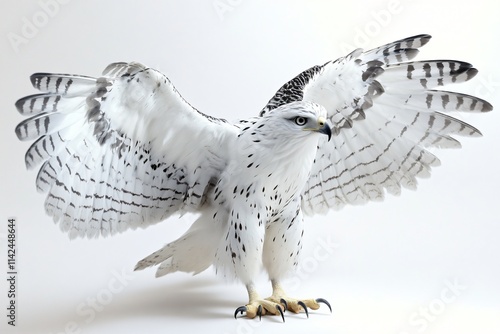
283,142
297,120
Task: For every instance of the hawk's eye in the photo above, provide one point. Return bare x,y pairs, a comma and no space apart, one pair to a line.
299,120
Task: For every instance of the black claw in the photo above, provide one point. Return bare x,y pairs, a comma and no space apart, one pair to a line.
301,303
282,301
324,301
278,307
240,309
259,312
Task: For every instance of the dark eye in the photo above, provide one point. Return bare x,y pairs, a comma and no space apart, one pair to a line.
300,121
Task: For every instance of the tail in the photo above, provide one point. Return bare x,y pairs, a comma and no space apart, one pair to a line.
193,252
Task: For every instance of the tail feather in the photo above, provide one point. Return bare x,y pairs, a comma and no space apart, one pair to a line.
193,252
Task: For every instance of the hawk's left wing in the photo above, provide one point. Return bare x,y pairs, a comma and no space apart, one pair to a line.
384,112
121,151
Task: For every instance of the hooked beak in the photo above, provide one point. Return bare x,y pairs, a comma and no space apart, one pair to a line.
324,128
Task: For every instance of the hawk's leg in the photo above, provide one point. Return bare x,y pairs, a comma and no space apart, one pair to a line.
282,246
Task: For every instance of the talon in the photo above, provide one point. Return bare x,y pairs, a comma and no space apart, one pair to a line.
282,301
301,303
240,309
324,301
281,312
259,312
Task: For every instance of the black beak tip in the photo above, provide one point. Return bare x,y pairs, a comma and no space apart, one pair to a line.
327,131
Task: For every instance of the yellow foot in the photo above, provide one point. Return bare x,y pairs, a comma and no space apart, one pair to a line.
295,305
260,308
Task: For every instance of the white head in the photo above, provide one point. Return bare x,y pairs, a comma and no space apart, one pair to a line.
289,124
282,144
284,140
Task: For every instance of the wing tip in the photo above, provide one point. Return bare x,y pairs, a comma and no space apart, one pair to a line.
421,39
424,39
20,103
36,78
19,133
471,72
487,107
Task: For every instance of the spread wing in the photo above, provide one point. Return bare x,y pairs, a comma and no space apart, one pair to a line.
121,151
385,113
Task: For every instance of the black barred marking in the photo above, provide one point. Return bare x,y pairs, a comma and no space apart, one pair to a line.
51,167
38,152
440,67
411,68
46,123
445,99
32,104
52,196
77,174
58,83
471,73
68,168
486,107
75,191
44,102
61,185
399,57
432,118
473,105
460,102
29,156
371,72
37,126
428,100
56,102
68,84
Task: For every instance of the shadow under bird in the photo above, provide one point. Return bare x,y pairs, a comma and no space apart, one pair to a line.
125,150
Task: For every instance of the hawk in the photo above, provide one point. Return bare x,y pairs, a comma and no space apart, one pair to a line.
125,150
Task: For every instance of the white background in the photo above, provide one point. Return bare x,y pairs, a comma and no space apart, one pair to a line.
391,263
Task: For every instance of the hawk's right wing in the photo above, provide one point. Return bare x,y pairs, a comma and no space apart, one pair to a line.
385,112
121,151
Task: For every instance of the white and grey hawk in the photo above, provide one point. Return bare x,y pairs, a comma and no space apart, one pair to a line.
125,150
